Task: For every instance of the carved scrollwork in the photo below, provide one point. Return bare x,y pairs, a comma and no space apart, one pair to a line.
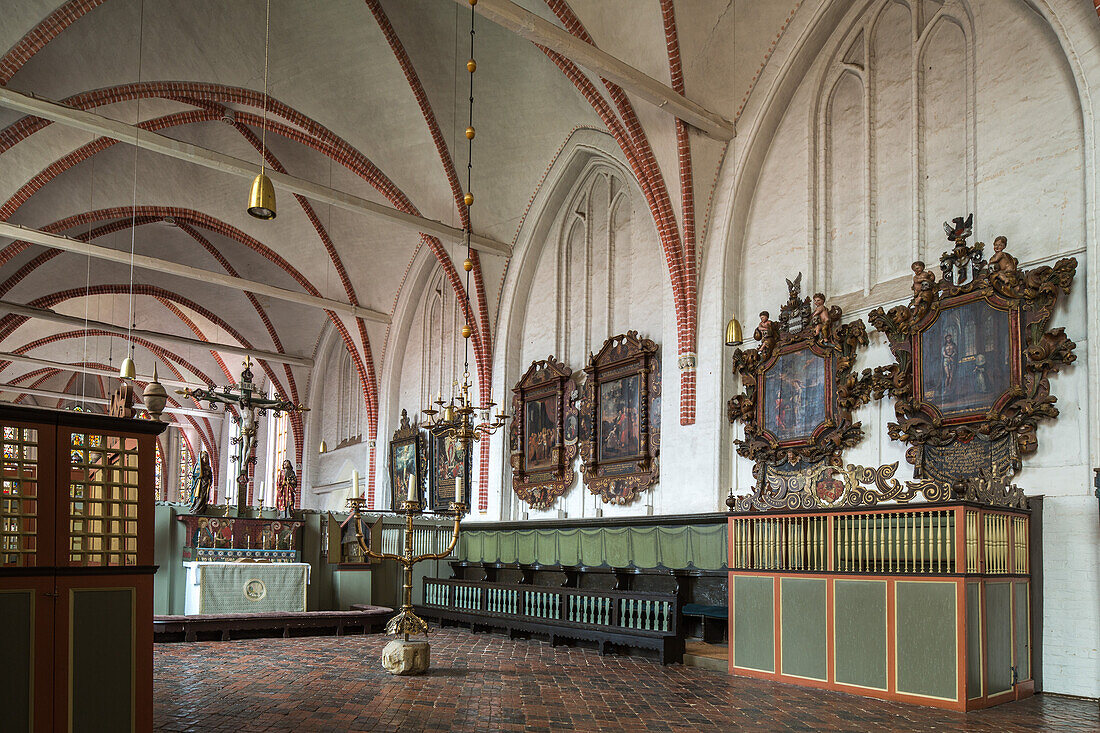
834,487
797,422
620,419
544,433
1003,313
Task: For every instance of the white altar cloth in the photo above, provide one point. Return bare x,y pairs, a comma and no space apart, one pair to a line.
231,587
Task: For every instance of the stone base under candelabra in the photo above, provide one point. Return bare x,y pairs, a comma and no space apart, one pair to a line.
406,657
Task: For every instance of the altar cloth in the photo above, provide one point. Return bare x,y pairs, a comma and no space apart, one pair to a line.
230,587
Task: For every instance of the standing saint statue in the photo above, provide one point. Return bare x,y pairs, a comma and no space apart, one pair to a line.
286,487
202,477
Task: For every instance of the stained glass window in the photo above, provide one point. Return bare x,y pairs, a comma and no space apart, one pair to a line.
187,466
159,473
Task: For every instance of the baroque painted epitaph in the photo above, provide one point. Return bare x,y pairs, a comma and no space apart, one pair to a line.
407,451
973,357
799,393
449,461
620,419
543,436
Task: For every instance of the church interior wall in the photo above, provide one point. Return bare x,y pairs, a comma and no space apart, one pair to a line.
914,114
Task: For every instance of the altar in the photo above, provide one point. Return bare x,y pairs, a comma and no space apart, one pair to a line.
245,587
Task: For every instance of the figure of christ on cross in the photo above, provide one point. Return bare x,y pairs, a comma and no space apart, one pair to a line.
249,401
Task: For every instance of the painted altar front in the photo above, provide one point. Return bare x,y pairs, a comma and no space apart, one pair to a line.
245,587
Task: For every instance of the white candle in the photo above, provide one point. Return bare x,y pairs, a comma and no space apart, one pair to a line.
412,491
458,489
354,483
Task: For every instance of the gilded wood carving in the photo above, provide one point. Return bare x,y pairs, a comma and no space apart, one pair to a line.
544,432
621,419
973,356
799,393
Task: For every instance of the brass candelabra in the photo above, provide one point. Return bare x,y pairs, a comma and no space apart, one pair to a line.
406,621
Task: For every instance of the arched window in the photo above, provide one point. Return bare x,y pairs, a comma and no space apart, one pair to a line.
349,405
231,470
186,467
278,428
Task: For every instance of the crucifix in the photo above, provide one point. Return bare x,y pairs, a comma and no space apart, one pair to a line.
249,401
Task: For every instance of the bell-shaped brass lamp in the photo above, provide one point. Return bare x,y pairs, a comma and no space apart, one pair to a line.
127,370
323,448
261,201
733,333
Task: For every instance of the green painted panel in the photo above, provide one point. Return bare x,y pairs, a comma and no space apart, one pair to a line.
802,614
17,672
859,632
546,548
925,634
753,623
652,546
103,660
973,640
617,547
998,637
1023,632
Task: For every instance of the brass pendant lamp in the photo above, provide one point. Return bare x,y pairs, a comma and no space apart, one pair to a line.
261,199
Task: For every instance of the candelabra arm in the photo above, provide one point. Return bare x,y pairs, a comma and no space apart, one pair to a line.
450,547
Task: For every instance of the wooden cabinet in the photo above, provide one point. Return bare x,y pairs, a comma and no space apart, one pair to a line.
76,570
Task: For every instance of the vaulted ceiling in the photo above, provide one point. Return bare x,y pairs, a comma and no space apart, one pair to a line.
367,97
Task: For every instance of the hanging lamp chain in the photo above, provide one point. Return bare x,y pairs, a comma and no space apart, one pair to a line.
263,130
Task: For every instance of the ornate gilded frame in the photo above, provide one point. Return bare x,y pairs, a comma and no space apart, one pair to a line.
546,379
407,434
989,441
442,493
805,325
619,479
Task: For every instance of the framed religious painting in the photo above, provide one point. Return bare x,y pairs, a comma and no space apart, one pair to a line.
407,454
620,419
973,353
449,461
799,393
544,433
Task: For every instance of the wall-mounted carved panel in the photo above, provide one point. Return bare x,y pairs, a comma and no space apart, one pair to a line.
799,393
408,461
544,432
973,356
621,419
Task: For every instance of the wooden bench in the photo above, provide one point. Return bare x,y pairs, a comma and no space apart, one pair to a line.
611,618
715,620
225,626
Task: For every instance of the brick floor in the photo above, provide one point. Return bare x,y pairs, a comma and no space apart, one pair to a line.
484,682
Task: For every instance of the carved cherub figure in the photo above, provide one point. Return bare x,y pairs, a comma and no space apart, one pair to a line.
766,332
924,285
1002,265
822,320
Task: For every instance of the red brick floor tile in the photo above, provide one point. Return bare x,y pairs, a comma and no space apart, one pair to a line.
485,682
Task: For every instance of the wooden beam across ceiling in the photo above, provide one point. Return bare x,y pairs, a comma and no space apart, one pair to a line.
95,371
154,142
68,244
538,30
49,393
155,336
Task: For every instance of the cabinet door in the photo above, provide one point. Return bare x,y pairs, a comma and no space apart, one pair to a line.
104,653
26,637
